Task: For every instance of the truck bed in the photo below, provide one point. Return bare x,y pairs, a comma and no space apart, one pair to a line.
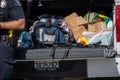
72,62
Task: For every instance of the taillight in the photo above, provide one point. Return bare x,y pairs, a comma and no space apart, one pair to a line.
118,23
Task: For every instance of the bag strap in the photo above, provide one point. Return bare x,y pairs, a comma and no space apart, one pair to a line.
87,18
95,15
66,53
52,53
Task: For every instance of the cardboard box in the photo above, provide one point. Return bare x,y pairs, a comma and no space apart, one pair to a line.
98,19
96,27
75,28
71,19
77,34
81,20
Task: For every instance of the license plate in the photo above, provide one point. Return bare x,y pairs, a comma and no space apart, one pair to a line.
46,65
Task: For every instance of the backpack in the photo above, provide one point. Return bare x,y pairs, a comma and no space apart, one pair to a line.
49,35
25,40
50,30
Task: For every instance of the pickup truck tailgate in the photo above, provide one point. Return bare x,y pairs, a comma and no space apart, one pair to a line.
59,53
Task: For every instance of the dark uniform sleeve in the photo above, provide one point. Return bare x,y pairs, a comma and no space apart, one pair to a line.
15,10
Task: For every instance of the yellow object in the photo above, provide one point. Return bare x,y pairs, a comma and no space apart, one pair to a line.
102,16
10,33
84,40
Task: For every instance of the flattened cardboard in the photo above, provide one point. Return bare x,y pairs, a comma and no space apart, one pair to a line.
75,28
81,20
96,27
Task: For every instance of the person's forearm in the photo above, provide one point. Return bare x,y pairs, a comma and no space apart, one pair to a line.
16,25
